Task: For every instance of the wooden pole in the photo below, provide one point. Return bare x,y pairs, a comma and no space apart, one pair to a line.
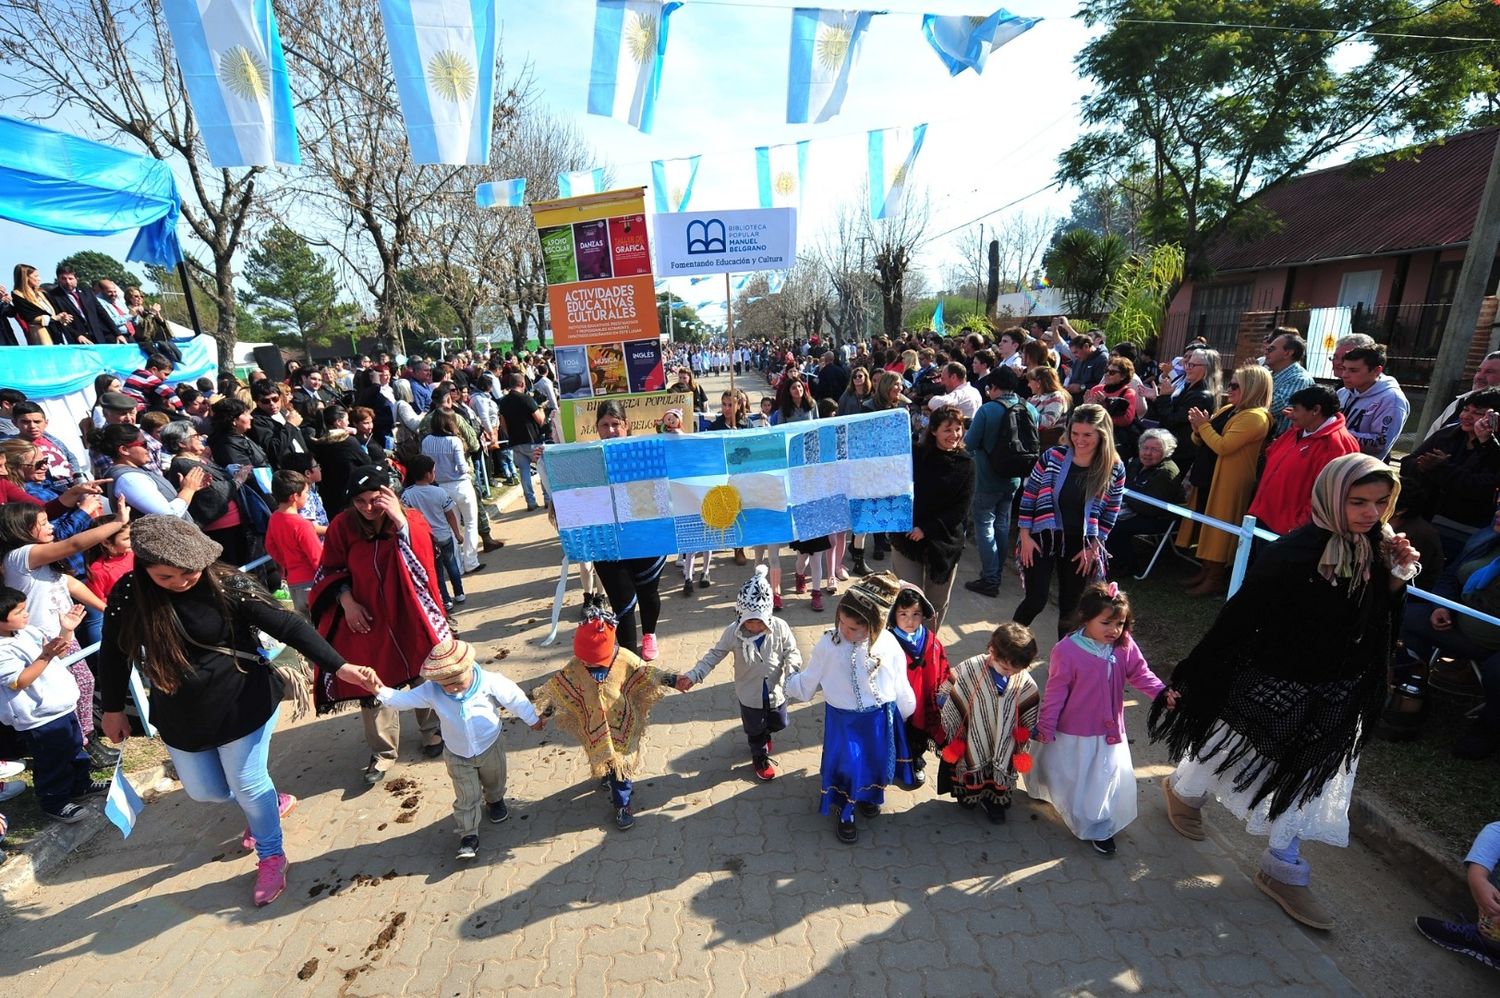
729,327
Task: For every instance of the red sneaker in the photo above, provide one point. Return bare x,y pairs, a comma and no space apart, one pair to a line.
765,770
801,584
776,603
817,600
270,879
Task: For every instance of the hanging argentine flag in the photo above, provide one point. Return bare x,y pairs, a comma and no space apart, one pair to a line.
230,55
825,44
443,57
743,282
630,41
572,185
937,318
891,162
673,180
965,42
123,805
782,172
501,194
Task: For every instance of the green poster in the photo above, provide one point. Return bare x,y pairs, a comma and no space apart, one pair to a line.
557,251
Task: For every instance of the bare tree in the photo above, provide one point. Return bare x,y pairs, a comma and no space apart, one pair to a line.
1022,238
109,66
973,251
843,256
894,242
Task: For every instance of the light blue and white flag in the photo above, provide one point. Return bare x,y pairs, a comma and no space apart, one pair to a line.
743,282
937,318
782,173
572,185
230,55
443,56
893,156
825,45
966,42
673,182
501,194
630,42
649,496
123,805
698,280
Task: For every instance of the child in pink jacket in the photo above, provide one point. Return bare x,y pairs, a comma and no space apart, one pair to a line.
1083,766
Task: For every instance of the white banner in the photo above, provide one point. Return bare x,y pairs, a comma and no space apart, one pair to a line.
725,242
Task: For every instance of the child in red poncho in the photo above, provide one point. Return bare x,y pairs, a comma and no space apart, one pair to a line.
926,668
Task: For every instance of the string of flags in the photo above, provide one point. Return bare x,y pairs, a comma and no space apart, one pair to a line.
443,59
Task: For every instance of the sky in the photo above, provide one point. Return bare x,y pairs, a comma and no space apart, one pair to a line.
991,139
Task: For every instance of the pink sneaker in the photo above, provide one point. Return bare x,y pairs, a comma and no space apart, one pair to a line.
817,600
801,581
649,650
270,879
284,805
776,603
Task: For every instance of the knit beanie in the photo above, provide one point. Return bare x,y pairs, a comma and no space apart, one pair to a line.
754,600
923,603
367,478
594,641
449,662
163,539
870,599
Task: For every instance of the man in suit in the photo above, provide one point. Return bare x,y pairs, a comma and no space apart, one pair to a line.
91,324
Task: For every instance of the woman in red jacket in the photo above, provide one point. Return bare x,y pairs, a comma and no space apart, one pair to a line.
1283,500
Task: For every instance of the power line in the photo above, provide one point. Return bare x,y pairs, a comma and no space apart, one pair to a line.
992,211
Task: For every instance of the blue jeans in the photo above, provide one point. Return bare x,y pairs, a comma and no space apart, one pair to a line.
992,528
1422,639
522,455
236,771
507,463
446,557
59,765
619,791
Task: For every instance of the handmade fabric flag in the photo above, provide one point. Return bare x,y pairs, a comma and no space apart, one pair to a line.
443,57
825,45
937,317
630,42
650,496
122,805
966,42
673,182
501,194
891,162
230,55
781,172
572,185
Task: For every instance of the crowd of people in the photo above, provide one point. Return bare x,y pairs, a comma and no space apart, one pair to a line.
1040,445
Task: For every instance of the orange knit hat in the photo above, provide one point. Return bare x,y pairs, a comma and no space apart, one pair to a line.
594,641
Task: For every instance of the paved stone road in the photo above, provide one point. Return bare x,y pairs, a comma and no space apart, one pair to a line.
726,885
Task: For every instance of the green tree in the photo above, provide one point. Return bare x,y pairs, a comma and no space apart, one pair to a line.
1082,264
1140,292
293,291
92,266
174,307
686,326
1224,98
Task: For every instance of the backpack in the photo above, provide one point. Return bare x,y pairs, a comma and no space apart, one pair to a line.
1017,444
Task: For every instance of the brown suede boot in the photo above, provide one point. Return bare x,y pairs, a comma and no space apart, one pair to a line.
1296,901
1196,577
1213,582
1186,819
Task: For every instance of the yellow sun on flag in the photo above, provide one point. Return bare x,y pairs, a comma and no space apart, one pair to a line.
899,176
452,76
785,183
674,197
721,507
975,22
833,46
640,38
244,74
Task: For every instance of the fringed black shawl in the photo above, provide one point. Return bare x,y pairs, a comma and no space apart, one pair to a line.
1293,668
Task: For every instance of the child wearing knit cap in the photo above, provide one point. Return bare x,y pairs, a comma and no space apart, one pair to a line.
862,671
603,697
467,701
765,653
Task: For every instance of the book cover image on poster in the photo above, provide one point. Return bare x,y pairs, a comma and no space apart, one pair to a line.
557,254
573,380
643,363
591,247
607,368
628,246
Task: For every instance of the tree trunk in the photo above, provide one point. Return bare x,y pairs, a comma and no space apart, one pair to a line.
224,331
992,287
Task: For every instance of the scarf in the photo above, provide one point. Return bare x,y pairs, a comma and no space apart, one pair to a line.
1347,555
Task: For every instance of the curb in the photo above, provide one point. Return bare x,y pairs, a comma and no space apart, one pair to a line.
1417,855
20,874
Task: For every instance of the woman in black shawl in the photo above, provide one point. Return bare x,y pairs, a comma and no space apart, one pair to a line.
1278,697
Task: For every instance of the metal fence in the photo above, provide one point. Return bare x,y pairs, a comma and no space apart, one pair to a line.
1410,334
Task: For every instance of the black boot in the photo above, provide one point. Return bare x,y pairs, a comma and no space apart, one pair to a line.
860,568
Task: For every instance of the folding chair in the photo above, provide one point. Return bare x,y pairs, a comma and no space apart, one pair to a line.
1163,543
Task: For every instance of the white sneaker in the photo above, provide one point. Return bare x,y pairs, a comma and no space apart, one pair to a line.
9,769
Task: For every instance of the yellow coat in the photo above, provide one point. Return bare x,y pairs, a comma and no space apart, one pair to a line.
1233,486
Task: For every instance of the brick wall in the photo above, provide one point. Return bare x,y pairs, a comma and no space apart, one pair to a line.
1483,341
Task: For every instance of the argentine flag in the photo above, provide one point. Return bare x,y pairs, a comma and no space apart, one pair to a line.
501,194
673,181
892,158
122,806
937,318
965,42
443,56
630,41
572,185
230,55
825,44
782,173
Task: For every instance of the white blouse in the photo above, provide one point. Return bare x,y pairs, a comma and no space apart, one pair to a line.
844,673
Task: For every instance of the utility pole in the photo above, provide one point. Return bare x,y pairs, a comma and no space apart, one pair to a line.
1468,296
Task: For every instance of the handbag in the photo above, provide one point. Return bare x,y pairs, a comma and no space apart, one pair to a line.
296,680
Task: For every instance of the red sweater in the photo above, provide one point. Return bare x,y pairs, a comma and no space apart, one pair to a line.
1283,500
293,544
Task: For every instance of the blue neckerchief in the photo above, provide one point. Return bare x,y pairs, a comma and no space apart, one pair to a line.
466,694
1001,681
1091,646
914,644
1487,574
